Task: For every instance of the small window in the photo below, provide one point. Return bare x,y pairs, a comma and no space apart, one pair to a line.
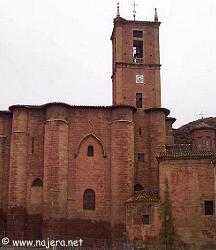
138,33
90,151
139,100
138,187
37,183
89,200
140,131
140,157
209,208
145,219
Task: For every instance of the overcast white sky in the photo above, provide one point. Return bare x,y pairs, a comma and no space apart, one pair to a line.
52,50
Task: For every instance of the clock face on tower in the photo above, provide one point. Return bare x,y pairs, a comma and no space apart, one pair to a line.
139,78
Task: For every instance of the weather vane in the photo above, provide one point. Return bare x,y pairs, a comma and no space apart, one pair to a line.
134,10
118,12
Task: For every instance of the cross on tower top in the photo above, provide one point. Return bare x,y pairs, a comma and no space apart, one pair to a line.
134,10
201,115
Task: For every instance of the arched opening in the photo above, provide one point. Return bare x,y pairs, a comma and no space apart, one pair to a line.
36,197
89,200
37,183
138,187
96,139
90,151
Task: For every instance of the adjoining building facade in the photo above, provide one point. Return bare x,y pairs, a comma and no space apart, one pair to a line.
111,172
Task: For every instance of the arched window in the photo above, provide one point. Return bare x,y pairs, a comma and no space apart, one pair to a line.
90,151
89,200
138,187
37,183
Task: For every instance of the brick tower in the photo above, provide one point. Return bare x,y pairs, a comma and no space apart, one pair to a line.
136,63
136,82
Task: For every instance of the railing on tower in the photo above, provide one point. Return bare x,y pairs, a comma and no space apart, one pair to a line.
137,60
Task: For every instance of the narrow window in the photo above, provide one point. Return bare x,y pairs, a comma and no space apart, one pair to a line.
140,131
140,157
138,187
32,145
90,151
37,183
89,200
139,100
145,219
138,33
209,208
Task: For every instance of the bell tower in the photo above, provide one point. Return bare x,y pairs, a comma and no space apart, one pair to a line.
136,82
136,62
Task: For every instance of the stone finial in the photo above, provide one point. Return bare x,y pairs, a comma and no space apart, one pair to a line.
156,15
118,12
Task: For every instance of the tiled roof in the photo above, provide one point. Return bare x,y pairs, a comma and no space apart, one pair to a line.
144,196
182,135
123,20
202,125
184,151
171,119
69,106
152,109
6,112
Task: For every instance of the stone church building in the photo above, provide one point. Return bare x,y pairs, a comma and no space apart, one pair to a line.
109,173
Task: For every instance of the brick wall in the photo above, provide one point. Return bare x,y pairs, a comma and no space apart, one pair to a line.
189,182
157,142
137,231
204,139
122,168
5,134
51,145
